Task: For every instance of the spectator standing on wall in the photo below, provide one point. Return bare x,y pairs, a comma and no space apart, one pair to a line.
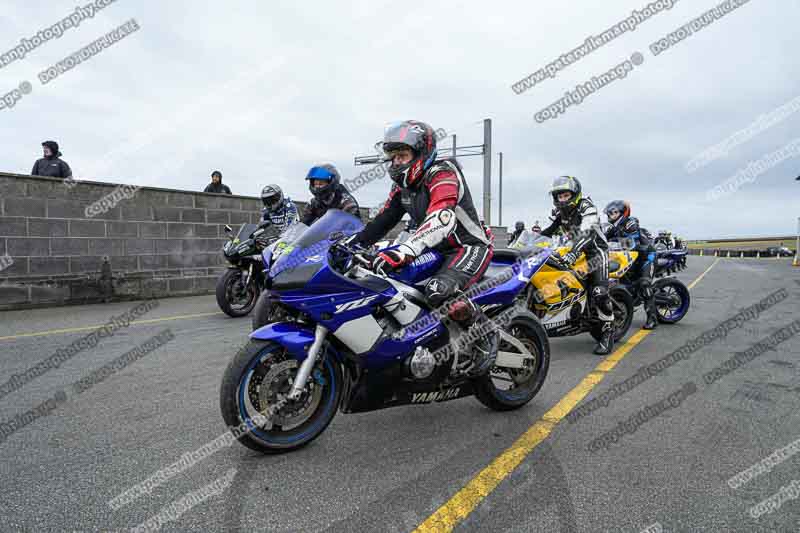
216,184
51,165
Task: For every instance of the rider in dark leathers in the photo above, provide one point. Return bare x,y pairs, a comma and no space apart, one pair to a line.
436,196
279,211
576,218
625,229
324,182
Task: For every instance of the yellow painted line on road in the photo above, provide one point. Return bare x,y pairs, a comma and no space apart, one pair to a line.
89,328
695,282
479,487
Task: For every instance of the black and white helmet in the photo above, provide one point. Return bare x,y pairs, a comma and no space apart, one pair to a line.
271,197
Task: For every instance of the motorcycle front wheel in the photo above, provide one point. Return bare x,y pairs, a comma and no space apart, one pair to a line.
257,381
235,299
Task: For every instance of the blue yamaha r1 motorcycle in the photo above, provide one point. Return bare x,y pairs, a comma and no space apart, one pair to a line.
357,341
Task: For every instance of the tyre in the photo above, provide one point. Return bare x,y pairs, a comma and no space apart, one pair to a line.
504,389
672,300
265,313
257,379
622,301
233,298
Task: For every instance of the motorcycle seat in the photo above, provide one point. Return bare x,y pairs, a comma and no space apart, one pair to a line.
506,255
502,259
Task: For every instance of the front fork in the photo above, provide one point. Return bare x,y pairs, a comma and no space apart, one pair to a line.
308,363
247,275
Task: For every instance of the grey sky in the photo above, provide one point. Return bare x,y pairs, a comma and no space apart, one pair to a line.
262,90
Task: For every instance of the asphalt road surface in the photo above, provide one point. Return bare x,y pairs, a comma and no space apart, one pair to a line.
454,465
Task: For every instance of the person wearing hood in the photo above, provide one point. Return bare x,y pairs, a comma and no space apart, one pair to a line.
51,165
216,184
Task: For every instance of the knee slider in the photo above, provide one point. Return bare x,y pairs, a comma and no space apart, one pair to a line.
438,290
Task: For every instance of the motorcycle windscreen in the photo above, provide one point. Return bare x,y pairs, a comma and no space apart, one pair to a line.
303,256
244,232
528,241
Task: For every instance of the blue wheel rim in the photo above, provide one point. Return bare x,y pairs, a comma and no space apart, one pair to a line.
310,431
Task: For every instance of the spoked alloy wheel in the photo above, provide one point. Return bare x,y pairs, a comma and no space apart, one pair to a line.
622,303
672,300
233,297
503,388
257,382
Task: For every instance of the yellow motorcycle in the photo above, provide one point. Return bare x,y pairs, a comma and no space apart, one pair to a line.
558,294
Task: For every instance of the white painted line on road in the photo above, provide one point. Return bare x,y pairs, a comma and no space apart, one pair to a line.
89,328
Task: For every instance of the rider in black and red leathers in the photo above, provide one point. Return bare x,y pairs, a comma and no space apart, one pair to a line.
436,196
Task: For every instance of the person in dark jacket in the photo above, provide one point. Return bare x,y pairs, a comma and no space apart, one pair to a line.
625,229
216,184
51,165
519,227
327,192
279,210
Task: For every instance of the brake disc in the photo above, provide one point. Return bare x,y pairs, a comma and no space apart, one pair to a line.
273,390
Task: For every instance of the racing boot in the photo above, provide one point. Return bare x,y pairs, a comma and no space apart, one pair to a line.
605,345
480,339
605,312
648,296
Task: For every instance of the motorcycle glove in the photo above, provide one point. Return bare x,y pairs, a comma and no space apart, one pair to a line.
390,260
570,258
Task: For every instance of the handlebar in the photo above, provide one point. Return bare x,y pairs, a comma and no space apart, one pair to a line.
359,254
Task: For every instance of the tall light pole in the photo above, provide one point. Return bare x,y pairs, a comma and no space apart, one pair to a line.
487,171
500,201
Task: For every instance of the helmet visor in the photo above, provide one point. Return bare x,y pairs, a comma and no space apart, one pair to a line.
319,173
564,184
271,201
403,133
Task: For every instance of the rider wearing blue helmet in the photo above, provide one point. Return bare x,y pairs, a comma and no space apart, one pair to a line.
324,182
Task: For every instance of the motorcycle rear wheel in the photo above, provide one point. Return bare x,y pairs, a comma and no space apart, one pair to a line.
265,312
622,301
524,383
672,300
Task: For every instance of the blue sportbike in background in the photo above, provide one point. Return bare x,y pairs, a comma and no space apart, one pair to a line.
356,341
